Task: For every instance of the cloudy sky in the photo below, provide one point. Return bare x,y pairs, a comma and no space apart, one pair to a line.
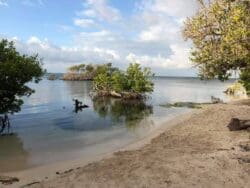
68,32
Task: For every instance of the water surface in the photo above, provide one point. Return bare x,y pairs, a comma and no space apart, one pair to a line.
48,130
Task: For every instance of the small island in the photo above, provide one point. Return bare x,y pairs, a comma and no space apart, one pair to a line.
52,77
81,72
133,83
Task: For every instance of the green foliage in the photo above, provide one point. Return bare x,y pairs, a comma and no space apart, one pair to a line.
77,68
118,81
220,34
89,68
245,80
86,71
102,82
15,71
138,79
236,89
135,79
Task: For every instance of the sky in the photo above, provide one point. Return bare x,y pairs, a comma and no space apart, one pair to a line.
69,32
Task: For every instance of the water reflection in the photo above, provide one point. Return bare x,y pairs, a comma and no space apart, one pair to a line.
49,131
12,153
131,112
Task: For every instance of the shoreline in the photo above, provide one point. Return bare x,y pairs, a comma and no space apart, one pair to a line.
49,171
198,141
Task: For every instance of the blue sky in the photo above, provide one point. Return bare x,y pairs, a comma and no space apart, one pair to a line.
68,32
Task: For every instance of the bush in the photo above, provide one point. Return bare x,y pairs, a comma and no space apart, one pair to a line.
134,79
245,80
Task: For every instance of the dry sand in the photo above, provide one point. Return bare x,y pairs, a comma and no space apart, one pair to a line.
197,152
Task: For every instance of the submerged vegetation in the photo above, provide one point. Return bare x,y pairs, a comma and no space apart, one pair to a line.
133,83
184,104
220,34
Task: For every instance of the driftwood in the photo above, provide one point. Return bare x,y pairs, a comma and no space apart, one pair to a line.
8,180
236,124
79,106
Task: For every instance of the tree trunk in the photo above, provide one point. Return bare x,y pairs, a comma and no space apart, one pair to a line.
2,125
4,122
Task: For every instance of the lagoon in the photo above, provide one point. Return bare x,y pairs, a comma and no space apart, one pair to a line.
48,130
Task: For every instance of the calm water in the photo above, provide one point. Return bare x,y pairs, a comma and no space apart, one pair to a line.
48,130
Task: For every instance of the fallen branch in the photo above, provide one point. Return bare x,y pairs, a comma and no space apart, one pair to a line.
6,180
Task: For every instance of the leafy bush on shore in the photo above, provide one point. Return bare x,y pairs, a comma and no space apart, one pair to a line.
245,80
220,35
236,89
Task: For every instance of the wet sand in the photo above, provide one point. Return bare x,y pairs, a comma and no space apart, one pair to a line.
198,151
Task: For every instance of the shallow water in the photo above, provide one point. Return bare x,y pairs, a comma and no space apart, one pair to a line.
48,130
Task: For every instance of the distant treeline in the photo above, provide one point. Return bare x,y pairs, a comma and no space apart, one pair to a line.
82,72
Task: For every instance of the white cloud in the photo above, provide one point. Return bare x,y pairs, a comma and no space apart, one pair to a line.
92,38
57,59
177,60
89,13
153,38
163,19
3,3
84,23
173,8
160,32
101,10
162,23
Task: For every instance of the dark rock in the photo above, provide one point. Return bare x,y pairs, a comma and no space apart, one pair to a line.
236,124
244,160
245,147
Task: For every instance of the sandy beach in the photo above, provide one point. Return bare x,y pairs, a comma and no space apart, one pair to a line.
198,151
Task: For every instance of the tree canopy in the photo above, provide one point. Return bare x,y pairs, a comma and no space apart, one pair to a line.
221,37
134,79
77,68
15,71
83,72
